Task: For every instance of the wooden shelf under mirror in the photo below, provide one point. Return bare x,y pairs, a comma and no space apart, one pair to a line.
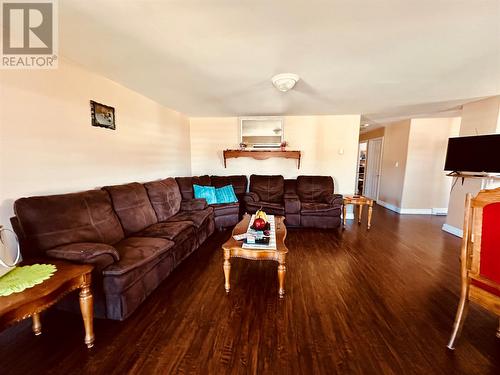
261,155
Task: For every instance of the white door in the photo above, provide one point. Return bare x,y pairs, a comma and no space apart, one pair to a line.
372,172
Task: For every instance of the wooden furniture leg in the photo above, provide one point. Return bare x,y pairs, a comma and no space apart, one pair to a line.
87,309
227,270
498,329
460,318
344,214
281,275
37,324
370,211
359,213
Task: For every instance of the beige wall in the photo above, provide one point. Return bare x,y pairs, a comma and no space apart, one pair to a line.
48,145
376,133
321,139
426,185
394,155
481,117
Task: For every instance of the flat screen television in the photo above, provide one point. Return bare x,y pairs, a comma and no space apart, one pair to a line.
480,154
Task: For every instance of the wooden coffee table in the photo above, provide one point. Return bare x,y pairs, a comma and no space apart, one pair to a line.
233,249
360,201
32,301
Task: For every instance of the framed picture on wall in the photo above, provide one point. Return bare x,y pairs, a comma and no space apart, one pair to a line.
102,115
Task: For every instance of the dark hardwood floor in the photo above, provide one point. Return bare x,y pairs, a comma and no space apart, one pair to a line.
358,302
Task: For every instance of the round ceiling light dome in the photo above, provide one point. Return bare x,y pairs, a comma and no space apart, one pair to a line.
285,81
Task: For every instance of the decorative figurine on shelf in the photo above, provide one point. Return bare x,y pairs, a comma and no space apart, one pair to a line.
283,145
243,146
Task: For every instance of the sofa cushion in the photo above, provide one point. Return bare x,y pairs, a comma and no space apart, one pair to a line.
132,205
225,194
46,222
205,192
239,183
195,217
268,207
319,209
314,188
176,231
225,209
268,188
165,197
136,252
186,185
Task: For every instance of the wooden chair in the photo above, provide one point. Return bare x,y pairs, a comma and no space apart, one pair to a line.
480,257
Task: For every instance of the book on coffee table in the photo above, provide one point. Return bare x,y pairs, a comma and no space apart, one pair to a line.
260,234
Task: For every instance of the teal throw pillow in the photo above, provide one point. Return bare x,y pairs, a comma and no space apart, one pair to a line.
225,194
205,192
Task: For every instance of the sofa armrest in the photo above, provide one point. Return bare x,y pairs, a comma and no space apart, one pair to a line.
292,203
99,254
197,204
251,197
335,200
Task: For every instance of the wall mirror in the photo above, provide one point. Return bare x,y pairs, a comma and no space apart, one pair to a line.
261,132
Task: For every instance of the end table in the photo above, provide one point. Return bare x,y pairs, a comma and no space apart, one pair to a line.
360,201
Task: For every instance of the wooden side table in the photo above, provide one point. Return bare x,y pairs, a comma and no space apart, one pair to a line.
360,201
32,301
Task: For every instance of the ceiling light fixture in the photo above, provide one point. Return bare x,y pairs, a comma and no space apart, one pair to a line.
285,81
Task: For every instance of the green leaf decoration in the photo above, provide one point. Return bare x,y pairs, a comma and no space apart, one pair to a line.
21,278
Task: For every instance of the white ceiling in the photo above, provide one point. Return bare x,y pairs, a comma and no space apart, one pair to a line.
384,58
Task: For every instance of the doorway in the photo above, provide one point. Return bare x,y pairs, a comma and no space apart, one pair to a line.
372,169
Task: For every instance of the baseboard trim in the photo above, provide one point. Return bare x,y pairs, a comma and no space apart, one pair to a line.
389,206
440,211
452,230
413,211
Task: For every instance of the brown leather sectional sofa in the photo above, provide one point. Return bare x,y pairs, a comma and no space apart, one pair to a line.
136,234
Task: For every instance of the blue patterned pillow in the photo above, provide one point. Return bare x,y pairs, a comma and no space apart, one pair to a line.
225,194
205,192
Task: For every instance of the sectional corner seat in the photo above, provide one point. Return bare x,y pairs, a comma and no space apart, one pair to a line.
134,235
225,214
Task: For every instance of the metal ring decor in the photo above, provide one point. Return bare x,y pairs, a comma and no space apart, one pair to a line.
4,244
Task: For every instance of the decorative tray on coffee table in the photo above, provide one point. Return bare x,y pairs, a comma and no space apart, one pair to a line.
262,241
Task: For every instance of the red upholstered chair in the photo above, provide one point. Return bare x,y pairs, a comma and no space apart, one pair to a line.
480,257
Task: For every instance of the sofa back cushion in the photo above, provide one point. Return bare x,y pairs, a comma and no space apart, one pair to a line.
186,185
314,188
268,188
165,197
239,182
54,220
132,205
290,186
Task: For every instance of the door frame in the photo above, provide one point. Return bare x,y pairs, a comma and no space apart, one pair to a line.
380,165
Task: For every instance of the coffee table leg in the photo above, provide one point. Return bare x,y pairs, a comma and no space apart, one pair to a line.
370,210
37,324
87,309
227,270
281,275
